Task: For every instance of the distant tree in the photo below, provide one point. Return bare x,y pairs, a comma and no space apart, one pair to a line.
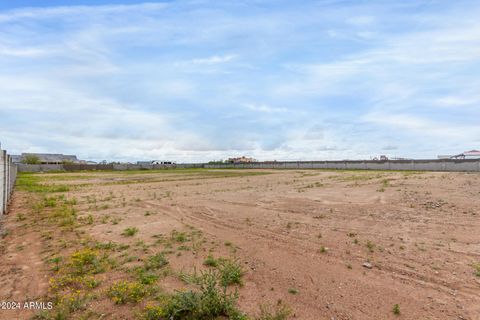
31,159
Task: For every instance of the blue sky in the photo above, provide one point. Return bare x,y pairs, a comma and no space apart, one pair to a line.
200,80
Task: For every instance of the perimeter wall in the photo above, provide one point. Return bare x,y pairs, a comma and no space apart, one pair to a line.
472,165
428,165
8,174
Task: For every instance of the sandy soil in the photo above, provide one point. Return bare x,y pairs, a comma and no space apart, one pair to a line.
304,237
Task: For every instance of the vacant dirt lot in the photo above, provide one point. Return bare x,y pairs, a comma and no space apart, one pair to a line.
322,244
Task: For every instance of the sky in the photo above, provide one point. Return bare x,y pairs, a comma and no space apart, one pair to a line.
198,80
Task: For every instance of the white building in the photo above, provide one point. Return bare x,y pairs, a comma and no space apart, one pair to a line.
472,154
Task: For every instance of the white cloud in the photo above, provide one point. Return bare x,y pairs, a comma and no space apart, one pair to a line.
213,59
264,108
75,11
457,101
361,21
324,80
416,125
21,52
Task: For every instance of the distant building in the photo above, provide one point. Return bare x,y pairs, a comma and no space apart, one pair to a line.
382,158
16,158
167,162
46,158
164,162
241,159
472,154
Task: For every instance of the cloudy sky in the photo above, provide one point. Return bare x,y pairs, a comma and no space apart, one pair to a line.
195,80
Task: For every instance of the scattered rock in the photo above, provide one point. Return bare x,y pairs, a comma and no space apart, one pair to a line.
367,265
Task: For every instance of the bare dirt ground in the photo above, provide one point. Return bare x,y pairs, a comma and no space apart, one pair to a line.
327,244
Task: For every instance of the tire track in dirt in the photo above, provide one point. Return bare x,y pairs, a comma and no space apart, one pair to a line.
283,243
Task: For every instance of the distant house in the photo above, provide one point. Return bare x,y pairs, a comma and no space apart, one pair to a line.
164,162
46,158
16,158
472,154
241,159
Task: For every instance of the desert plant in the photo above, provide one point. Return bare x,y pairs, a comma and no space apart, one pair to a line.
123,292
156,262
396,309
86,261
477,269
230,272
292,291
277,312
211,261
210,302
370,245
130,232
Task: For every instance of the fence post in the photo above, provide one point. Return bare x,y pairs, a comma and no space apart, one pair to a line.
8,174
3,191
7,179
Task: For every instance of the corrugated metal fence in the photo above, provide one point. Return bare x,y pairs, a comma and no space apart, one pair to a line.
8,174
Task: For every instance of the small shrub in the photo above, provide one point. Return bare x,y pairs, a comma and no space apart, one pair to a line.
106,245
86,261
230,272
211,262
130,232
89,219
370,245
74,302
152,313
292,291
396,309
146,277
156,262
124,292
210,302
191,278
49,202
477,269
278,312
179,236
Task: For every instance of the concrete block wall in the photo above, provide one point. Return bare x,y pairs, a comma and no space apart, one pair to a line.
39,167
8,174
425,165
420,165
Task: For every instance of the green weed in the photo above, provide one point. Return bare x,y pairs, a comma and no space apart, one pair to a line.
130,232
